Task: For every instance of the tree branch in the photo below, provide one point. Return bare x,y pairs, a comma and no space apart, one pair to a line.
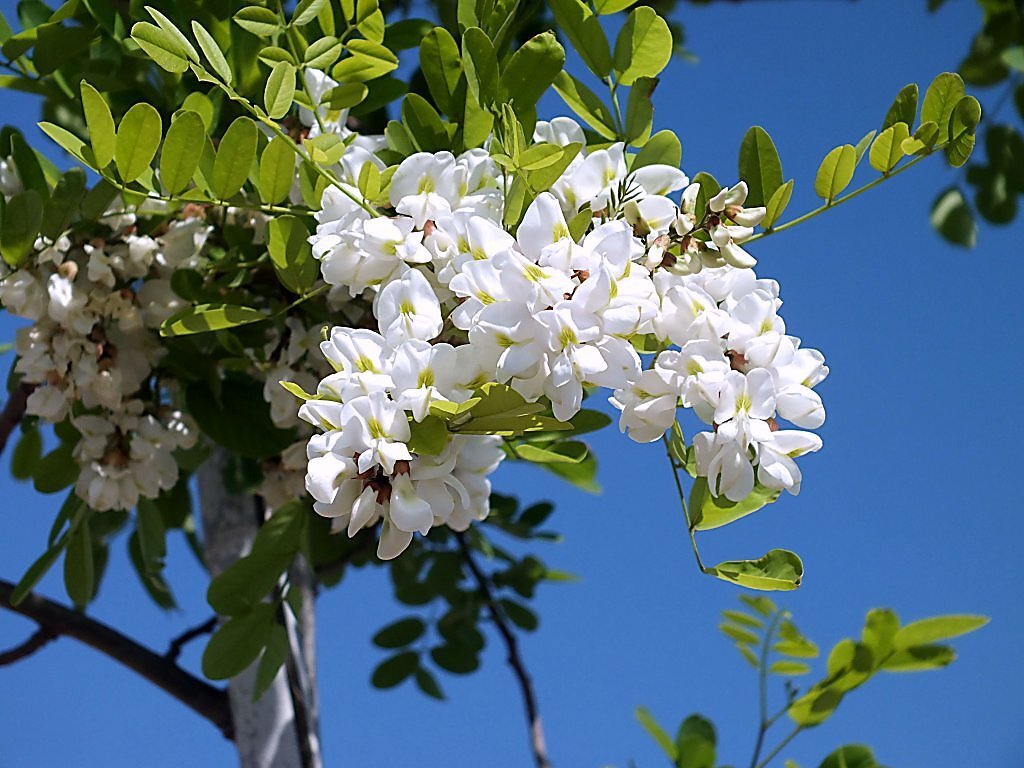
39,638
174,650
515,660
11,415
199,696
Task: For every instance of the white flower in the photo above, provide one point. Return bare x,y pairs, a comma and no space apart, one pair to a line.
408,308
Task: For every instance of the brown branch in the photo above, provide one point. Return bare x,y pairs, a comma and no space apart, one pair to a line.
174,650
199,696
515,659
11,415
38,639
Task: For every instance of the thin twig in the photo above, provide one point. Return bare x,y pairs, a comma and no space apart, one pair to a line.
39,638
13,412
198,695
515,660
174,650
762,687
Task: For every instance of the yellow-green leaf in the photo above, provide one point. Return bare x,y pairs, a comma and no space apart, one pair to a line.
100,123
179,158
835,172
138,137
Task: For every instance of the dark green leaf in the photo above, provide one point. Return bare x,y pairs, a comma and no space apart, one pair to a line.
22,219
400,634
79,573
696,743
904,107
238,642
953,219
274,656
759,166
393,671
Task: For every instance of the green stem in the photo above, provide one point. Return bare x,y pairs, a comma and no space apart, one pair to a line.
840,200
762,687
613,88
302,67
172,199
682,502
781,745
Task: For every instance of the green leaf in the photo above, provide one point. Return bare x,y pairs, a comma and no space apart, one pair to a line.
169,27
100,123
646,719
952,218
763,605
79,574
209,317
306,11
835,172
322,53
583,30
262,22
56,470
22,219
904,107
531,71
277,170
709,187
663,148
920,658
179,158
442,69
643,47
605,7
815,707
941,99
274,656
26,454
345,96
238,642
69,142
37,570
212,52
235,155
887,149
457,659
880,628
570,452
924,138
586,104
640,111
739,634
63,204
291,254
708,512
789,668
1013,57
777,204
520,615
861,146
394,670
779,570
400,634
481,66
429,436
696,743
280,90
740,617
937,628
850,756
368,61
427,683
759,166
424,124
138,137
963,124
160,46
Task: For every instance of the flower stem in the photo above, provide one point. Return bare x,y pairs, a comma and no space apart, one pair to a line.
682,502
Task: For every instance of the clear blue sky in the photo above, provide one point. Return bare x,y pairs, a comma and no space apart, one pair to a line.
913,503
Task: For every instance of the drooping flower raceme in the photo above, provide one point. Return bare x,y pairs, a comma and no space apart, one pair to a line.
549,307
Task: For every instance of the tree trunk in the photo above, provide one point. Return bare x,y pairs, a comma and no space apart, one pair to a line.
268,734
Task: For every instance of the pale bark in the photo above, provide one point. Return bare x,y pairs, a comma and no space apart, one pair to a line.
267,732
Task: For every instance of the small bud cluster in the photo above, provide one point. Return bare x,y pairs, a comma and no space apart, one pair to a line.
460,301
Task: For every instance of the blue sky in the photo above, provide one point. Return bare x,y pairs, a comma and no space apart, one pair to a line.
912,504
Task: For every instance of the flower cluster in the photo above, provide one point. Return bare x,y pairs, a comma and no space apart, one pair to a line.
92,347
460,301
